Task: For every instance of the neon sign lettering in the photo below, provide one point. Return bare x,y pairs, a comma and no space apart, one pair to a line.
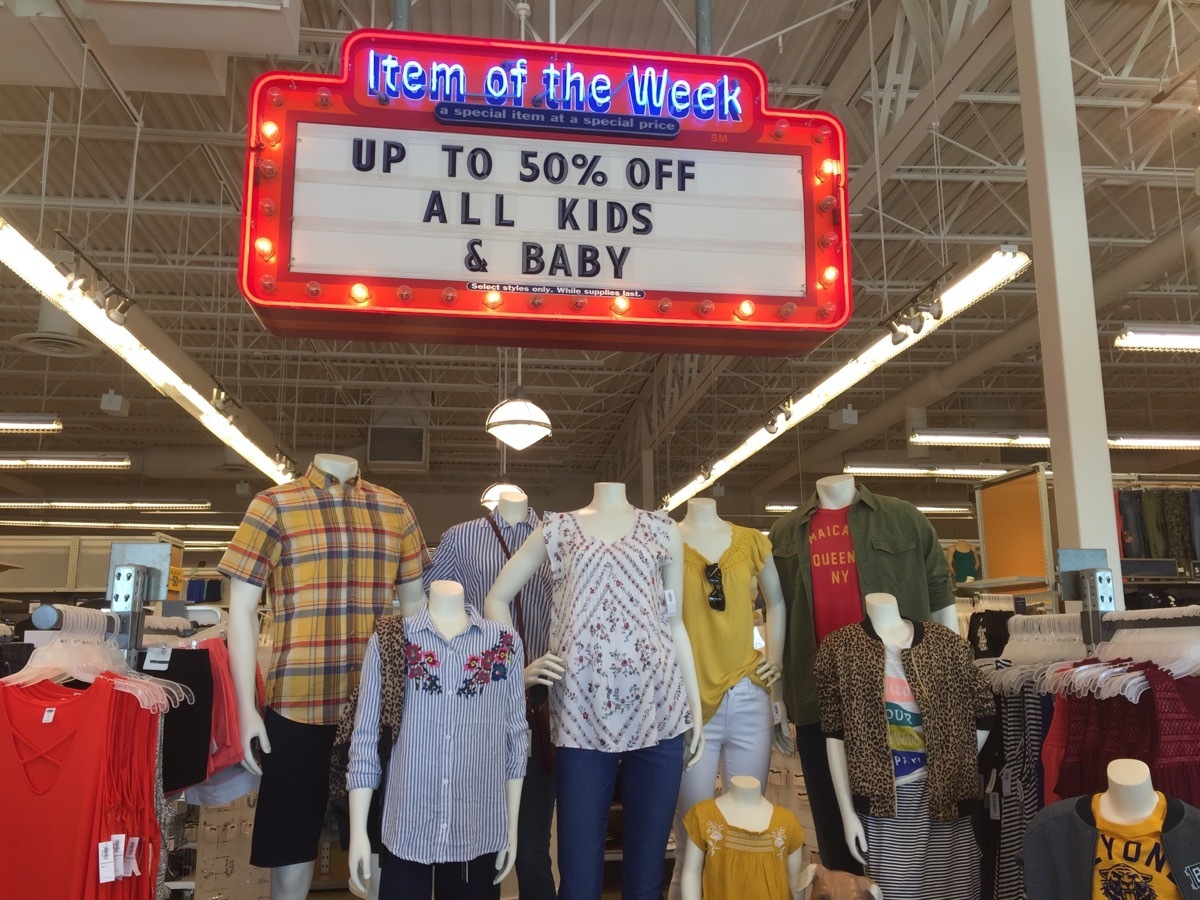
651,92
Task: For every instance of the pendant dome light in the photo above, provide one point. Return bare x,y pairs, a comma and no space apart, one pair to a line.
518,421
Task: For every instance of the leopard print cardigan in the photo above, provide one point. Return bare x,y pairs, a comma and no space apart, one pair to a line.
952,694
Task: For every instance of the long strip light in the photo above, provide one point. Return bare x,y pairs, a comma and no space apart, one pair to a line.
937,437
780,508
939,509
110,505
62,460
964,292
910,470
132,526
32,423
1159,336
33,266
205,545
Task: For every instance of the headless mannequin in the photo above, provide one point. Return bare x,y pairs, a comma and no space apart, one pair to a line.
711,536
961,547
838,492
1130,797
608,517
287,882
894,632
448,610
743,806
513,507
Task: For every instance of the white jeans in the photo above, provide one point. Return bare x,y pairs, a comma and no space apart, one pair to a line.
738,740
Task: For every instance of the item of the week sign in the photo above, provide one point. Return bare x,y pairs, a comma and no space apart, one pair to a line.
456,190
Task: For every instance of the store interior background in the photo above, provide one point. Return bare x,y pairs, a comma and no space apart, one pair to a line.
143,169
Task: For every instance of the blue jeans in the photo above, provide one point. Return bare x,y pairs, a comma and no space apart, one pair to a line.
649,786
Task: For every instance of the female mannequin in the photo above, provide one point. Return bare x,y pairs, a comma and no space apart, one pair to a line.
447,638
627,687
741,842
723,561
917,731
271,556
963,559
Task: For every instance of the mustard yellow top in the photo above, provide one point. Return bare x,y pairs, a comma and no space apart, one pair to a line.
1130,860
723,641
749,865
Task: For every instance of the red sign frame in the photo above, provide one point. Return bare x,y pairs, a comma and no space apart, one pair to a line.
311,304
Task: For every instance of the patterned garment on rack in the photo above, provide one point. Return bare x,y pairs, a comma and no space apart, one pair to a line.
1175,764
1020,793
1156,529
1178,524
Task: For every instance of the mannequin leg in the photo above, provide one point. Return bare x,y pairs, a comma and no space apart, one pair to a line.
747,749
698,783
650,787
588,777
535,876
291,882
827,819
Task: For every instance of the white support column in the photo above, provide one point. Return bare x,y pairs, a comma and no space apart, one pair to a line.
1062,262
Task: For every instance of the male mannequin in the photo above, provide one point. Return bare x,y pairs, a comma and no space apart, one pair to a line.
259,547
449,613
888,542
613,528
744,807
918,670
473,553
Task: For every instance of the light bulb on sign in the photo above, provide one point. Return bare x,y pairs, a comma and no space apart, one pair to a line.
828,169
275,96
359,292
620,305
270,132
493,300
830,276
745,309
265,248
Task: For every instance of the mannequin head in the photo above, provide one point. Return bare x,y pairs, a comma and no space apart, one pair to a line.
836,491
512,507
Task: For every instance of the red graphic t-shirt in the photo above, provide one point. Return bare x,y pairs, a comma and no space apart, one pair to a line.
837,599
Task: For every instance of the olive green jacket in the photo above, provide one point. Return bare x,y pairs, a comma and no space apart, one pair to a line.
897,552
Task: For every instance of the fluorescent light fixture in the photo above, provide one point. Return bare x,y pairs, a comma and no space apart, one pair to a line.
28,262
938,437
518,421
205,545
57,460
909,470
780,508
110,505
938,509
1159,336
130,526
965,291
47,423
945,437
491,495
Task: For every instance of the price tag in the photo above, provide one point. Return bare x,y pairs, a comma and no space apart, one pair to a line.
130,865
1006,782
671,605
777,713
994,805
157,659
108,870
48,715
118,842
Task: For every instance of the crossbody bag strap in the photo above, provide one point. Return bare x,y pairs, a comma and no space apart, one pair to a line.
517,598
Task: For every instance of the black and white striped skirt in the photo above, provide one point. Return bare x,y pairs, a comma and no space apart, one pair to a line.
913,857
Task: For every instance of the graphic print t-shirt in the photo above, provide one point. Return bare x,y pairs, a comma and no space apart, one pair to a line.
1130,859
837,598
906,728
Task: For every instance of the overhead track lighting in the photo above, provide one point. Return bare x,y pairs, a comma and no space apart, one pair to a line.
32,266
963,292
1160,336
110,505
30,423
56,460
780,508
948,437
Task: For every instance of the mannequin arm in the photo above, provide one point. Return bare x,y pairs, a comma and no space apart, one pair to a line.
795,868
361,870
839,771
411,595
947,616
673,581
776,631
243,655
507,857
693,868
516,572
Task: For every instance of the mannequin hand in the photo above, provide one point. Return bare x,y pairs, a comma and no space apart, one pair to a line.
545,670
783,740
695,747
360,861
856,839
504,862
768,671
252,727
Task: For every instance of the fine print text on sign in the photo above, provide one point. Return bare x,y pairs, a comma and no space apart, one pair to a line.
500,192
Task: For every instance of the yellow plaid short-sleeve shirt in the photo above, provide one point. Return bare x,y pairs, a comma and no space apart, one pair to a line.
329,562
